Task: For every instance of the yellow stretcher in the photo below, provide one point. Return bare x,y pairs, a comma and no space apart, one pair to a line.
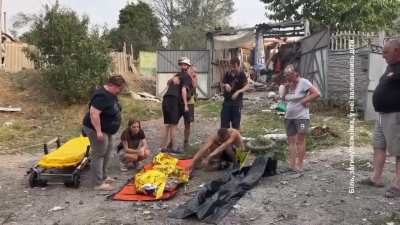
64,163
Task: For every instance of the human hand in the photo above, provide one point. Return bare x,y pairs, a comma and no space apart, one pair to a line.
305,104
100,136
190,166
206,162
228,88
186,108
235,95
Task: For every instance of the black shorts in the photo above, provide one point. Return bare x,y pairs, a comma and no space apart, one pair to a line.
188,117
231,116
171,110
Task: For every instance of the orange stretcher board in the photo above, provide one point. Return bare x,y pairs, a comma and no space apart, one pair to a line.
128,192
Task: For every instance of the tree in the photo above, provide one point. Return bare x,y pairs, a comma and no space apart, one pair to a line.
72,59
363,15
137,26
185,23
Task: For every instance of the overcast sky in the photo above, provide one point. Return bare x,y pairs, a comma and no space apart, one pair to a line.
248,12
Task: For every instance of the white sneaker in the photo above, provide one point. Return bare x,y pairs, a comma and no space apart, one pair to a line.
109,180
123,167
104,187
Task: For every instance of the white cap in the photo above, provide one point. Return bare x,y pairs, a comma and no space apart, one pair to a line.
184,60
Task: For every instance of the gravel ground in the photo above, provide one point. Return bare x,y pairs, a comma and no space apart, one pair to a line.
320,196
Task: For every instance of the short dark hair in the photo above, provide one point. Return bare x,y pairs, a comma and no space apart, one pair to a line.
117,80
132,121
222,134
235,61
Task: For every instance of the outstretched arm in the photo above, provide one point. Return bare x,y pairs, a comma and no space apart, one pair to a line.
223,146
201,153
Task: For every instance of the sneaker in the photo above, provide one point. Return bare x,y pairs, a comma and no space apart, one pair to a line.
123,167
164,150
104,187
132,165
177,151
109,180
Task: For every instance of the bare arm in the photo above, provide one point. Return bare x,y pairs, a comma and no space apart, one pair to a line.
144,143
242,146
184,96
194,80
223,146
243,89
200,154
127,149
314,94
95,118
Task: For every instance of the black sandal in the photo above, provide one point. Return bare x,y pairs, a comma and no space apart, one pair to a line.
369,182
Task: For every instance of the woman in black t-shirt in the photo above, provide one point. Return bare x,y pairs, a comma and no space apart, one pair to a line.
133,147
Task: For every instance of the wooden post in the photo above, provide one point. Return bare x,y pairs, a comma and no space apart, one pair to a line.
5,22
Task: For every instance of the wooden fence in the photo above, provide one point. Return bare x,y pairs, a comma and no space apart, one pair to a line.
15,59
123,63
340,40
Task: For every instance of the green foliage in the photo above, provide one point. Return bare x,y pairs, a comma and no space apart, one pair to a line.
363,15
72,59
210,109
186,23
138,26
139,110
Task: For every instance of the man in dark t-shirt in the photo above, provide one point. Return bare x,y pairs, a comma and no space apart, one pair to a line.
387,128
234,84
100,124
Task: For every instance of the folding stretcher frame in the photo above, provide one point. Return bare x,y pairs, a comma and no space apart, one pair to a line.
40,177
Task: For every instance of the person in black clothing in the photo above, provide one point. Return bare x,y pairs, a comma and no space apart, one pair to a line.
234,84
387,128
100,124
175,103
133,147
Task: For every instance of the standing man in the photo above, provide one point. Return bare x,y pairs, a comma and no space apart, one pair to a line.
100,124
189,116
175,103
298,94
387,128
234,85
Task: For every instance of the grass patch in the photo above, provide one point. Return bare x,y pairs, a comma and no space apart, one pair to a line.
359,164
140,110
209,109
27,134
254,125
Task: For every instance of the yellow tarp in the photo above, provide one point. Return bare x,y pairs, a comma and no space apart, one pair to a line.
164,167
242,156
69,154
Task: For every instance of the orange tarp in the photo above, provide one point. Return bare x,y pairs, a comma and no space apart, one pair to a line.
128,192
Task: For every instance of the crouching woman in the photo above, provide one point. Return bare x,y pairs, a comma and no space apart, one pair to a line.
133,147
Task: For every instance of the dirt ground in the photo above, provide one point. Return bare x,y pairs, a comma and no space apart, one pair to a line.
318,197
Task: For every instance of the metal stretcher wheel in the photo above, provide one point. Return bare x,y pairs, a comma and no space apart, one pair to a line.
34,181
74,182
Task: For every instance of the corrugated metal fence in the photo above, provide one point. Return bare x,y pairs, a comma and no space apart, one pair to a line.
167,67
15,59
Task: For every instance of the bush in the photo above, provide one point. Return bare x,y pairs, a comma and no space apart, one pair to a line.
72,59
